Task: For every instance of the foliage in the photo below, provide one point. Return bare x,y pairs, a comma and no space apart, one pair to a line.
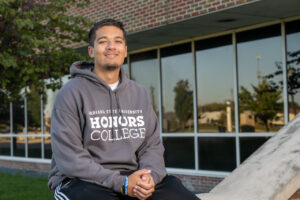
263,102
293,76
35,42
183,102
21,187
212,107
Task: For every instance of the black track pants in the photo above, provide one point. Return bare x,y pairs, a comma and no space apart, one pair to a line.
170,188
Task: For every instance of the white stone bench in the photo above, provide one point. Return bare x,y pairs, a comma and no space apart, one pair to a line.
270,173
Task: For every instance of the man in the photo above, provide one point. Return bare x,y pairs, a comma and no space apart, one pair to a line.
105,134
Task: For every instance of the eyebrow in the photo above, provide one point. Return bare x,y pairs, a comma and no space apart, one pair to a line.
105,37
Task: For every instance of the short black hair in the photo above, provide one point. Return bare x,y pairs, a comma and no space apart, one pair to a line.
105,22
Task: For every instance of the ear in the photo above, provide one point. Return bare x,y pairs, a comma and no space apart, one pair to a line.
126,51
91,51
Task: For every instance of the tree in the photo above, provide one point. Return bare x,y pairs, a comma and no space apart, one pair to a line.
35,43
183,102
293,76
263,102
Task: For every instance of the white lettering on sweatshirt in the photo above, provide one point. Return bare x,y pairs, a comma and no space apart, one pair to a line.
129,125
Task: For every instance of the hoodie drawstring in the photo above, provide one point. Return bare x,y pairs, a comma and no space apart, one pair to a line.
111,113
119,110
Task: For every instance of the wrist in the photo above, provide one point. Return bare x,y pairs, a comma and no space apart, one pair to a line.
124,188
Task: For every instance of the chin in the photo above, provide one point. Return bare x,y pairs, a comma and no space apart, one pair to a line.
111,67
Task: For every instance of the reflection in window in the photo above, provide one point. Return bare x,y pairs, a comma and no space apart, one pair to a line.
177,88
34,147
179,152
19,146
4,114
260,92
217,154
4,146
215,84
47,147
249,145
144,71
18,117
125,67
293,67
48,102
34,112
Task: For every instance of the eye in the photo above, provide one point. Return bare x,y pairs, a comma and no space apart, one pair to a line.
119,41
102,41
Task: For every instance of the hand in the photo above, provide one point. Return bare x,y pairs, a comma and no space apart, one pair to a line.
136,177
144,188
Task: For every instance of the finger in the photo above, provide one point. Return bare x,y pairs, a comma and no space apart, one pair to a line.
146,185
143,171
142,191
141,195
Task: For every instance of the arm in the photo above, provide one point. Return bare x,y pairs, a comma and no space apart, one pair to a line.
70,156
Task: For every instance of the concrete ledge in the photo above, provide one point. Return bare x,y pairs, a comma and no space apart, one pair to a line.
270,173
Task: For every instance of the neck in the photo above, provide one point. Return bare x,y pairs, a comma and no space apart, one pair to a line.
108,77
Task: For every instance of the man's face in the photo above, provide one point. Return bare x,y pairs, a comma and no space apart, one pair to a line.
109,48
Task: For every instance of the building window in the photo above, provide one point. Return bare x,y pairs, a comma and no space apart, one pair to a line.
144,70
260,86
126,68
4,125
249,144
217,154
293,67
215,84
177,89
179,152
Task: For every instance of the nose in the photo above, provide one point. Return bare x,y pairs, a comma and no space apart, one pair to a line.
111,45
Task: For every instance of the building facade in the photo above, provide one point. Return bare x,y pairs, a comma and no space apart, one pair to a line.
223,76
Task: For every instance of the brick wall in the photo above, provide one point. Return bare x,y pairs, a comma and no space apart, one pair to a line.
38,167
199,184
140,15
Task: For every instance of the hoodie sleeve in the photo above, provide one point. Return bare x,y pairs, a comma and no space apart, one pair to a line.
71,158
151,152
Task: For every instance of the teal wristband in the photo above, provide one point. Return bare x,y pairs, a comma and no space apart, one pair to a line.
126,185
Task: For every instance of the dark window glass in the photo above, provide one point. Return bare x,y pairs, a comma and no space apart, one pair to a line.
34,147
260,80
177,88
144,70
4,114
217,154
293,67
179,152
125,67
19,146
215,84
249,144
47,147
4,146
18,117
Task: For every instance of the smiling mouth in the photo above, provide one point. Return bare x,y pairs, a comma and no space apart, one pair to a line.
111,55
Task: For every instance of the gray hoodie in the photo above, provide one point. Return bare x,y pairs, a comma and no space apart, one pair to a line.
98,135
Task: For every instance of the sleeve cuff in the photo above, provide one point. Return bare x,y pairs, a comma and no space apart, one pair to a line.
118,183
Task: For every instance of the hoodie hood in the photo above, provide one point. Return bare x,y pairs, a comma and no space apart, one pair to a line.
85,69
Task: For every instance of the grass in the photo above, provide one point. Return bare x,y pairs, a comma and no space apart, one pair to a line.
18,187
